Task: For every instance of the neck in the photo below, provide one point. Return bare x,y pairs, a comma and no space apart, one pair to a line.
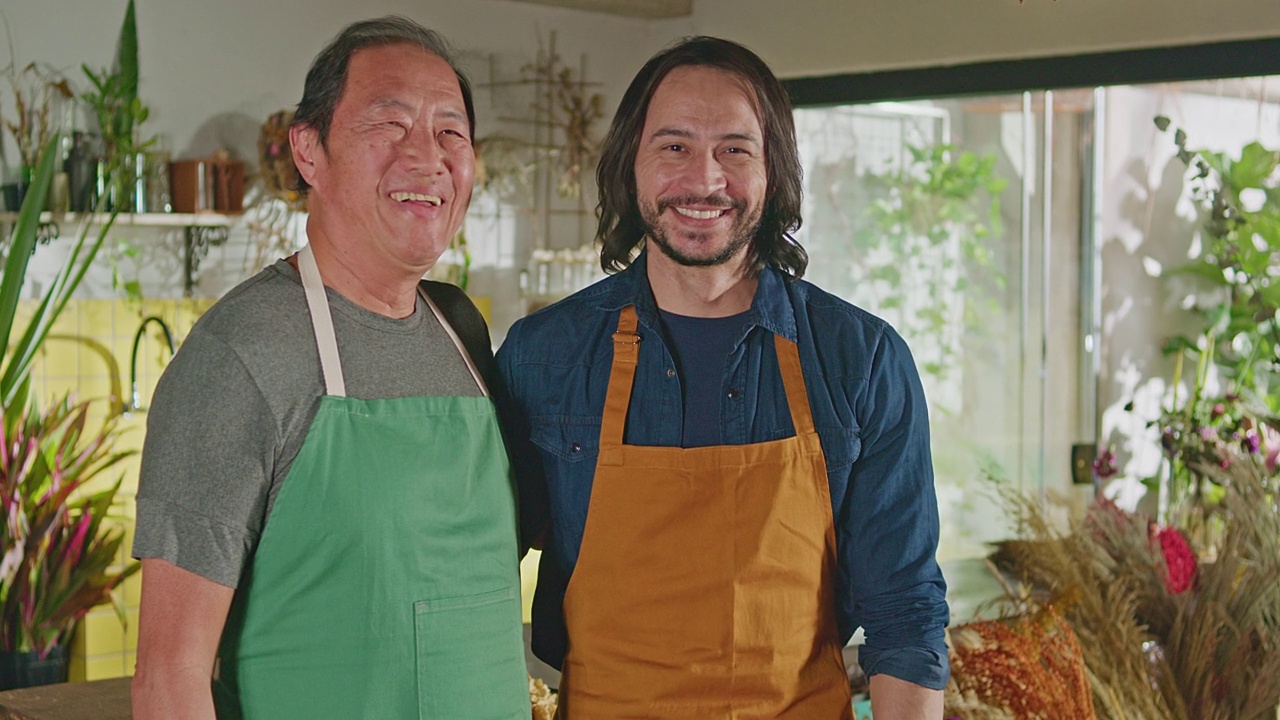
708,292
385,291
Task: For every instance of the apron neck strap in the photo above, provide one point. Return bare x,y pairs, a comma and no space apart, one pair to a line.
457,342
626,354
321,323
793,380
327,340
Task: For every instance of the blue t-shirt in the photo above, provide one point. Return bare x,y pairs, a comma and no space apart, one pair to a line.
701,346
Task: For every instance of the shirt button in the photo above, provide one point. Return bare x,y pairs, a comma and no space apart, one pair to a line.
575,448
733,393
671,372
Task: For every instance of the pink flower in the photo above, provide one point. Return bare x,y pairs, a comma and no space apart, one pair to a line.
1179,560
1104,466
1250,443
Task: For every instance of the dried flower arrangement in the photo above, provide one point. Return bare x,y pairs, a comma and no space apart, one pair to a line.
279,175
270,215
562,115
35,88
1163,635
1030,668
576,113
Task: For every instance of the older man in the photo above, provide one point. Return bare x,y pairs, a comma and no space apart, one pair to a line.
325,504
729,467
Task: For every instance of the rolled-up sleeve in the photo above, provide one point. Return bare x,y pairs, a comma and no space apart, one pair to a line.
888,528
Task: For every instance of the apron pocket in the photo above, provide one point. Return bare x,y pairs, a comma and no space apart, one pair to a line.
470,653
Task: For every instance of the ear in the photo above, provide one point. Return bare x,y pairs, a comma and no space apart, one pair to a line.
304,141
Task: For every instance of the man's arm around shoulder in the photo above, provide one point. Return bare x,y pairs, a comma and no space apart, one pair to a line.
179,626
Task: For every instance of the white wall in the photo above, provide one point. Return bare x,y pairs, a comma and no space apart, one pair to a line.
213,71
820,37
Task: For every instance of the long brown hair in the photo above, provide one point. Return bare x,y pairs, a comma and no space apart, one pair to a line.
621,228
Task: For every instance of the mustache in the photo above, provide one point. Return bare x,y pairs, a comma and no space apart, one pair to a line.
717,201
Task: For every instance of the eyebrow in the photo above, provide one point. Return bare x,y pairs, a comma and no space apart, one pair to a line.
393,103
389,103
669,132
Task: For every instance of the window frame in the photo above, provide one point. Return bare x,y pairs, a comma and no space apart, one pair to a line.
1237,58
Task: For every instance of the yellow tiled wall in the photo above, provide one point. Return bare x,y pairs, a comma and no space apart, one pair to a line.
88,354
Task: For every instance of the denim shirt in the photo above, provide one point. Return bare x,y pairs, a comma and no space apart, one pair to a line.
868,406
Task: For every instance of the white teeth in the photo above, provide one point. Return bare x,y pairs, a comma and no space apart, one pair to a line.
699,214
417,197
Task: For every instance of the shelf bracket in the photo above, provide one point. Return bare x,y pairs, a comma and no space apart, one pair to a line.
197,242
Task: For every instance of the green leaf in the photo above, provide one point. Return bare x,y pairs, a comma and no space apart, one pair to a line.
23,240
1207,270
1177,344
1162,122
1255,165
127,53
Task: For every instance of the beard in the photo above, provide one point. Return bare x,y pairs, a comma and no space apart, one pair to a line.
740,234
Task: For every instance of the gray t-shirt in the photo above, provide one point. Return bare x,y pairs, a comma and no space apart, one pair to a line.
231,412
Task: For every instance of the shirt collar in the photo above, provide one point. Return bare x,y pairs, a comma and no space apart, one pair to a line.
771,308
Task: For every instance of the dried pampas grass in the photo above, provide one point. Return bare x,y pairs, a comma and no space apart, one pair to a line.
1209,652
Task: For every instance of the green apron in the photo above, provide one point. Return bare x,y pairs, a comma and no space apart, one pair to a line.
386,581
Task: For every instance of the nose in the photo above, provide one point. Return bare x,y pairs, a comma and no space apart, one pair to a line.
424,151
704,175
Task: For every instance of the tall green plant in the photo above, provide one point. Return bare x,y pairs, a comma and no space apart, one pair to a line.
114,100
19,355
1239,335
55,552
1239,203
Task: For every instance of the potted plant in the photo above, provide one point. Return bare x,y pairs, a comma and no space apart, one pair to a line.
1237,344
36,89
55,550
119,111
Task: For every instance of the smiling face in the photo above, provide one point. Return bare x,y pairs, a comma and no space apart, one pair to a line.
701,176
392,186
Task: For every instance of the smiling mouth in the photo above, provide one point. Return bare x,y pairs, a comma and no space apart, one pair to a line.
417,197
699,214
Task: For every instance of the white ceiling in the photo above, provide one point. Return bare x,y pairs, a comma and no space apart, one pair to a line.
629,8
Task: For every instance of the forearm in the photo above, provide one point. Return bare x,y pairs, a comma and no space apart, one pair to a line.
179,625
894,699
160,692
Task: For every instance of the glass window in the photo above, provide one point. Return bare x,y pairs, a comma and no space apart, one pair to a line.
960,222
1021,244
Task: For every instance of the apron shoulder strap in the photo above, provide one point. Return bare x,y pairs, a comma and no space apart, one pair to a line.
626,354
793,380
457,342
321,323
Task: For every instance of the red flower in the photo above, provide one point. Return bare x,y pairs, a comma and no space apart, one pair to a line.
1179,560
